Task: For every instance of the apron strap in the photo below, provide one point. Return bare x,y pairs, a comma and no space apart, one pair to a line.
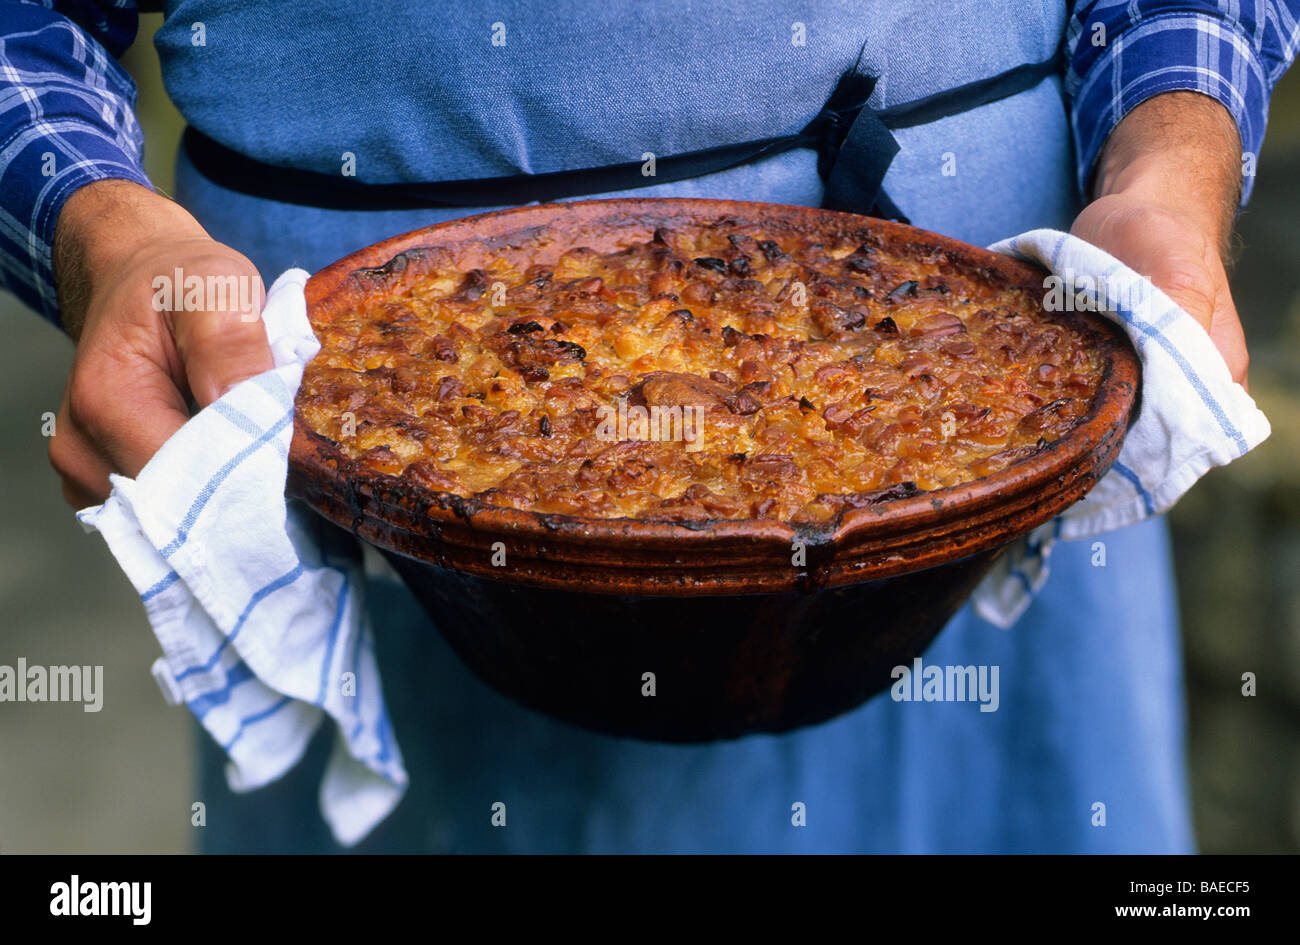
853,141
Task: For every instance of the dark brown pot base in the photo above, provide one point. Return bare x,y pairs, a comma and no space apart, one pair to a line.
723,666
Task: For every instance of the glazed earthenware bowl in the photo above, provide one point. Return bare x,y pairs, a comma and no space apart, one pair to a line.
725,622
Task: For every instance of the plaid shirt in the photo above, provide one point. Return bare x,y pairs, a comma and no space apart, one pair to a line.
66,118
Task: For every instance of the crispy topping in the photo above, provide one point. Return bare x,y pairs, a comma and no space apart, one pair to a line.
715,372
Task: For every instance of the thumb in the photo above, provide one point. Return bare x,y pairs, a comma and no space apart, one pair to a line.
223,344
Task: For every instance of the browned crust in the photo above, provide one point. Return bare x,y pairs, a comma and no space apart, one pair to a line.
722,556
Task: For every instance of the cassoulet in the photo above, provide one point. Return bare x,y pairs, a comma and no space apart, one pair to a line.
720,373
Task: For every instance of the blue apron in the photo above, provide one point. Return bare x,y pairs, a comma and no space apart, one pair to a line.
1090,710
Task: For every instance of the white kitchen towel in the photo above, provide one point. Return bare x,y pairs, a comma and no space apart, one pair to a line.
1193,416
258,605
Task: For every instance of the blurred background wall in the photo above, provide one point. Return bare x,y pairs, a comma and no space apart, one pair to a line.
121,780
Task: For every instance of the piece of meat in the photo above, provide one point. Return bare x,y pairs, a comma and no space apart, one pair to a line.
672,389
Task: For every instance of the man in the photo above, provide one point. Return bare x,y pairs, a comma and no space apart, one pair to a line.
1165,105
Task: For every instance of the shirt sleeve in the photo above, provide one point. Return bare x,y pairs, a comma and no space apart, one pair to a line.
66,120
1122,52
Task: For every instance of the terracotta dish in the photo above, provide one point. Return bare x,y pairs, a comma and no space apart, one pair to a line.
778,608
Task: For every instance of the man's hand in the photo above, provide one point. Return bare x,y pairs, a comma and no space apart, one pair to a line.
135,365
1167,186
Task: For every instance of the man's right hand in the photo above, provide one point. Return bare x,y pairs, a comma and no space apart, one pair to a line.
135,366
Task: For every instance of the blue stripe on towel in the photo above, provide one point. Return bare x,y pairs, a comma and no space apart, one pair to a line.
258,597
210,487
161,586
244,423
201,705
1132,477
253,719
339,611
274,385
